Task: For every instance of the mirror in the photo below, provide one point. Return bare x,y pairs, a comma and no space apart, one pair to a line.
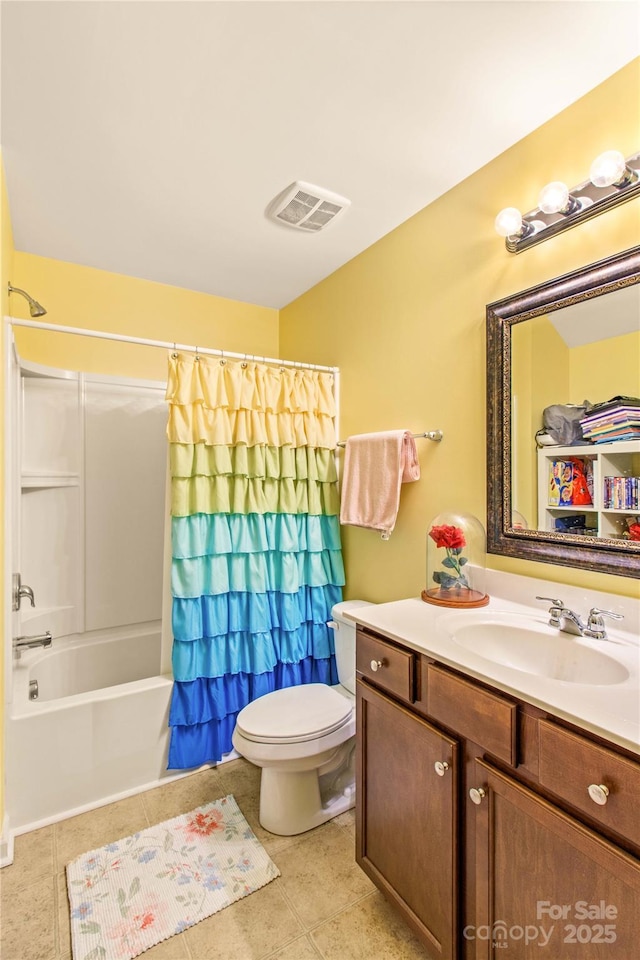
571,339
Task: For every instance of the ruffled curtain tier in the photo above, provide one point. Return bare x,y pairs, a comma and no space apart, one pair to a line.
255,572
247,652
213,534
212,698
262,461
200,424
217,615
248,495
250,386
256,555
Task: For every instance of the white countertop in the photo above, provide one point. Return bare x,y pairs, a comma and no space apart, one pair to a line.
611,710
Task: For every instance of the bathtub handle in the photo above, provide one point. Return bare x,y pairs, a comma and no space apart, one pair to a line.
19,591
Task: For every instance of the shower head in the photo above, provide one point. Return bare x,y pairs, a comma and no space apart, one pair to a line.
35,309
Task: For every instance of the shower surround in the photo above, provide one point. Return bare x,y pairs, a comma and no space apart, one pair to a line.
86,720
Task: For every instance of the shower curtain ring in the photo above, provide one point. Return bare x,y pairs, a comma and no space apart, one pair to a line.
244,362
174,355
222,359
196,358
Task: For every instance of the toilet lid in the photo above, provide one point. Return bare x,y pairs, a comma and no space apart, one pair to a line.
294,714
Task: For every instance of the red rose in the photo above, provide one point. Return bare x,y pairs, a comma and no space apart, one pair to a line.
447,536
634,531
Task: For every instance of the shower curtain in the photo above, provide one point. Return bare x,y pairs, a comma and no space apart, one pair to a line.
256,555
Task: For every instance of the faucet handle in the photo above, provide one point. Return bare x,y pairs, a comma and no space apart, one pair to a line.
19,591
555,610
595,623
596,612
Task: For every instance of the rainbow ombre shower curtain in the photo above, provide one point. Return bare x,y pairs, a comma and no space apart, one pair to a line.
256,555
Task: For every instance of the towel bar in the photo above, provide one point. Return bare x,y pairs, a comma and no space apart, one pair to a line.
427,435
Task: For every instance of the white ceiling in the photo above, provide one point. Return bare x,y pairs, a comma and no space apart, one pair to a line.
148,138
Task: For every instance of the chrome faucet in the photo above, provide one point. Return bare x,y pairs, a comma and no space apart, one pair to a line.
29,643
568,621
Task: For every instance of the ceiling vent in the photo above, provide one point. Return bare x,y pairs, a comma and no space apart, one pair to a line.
307,207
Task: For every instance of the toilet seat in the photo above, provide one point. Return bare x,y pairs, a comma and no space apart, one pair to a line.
294,714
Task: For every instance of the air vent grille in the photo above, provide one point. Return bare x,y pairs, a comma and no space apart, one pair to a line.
306,207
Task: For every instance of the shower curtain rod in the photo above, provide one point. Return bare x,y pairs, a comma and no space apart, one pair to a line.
166,345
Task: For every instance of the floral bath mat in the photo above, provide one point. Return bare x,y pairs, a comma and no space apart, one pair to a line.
134,893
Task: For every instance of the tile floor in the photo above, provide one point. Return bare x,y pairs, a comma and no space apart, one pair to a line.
322,907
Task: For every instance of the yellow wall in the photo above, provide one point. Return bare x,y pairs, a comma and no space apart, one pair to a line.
95,299
606,369
405,320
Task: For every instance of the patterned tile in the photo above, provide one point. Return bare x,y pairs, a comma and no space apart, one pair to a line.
370,928
28,922
248,930
320,875
302,949
64,924
32,860
175,948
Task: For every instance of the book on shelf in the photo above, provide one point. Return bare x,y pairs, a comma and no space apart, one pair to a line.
621,493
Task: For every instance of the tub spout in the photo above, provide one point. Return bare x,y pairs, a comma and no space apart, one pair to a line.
28,643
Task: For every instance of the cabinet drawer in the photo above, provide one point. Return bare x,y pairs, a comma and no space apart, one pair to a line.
482,717
571,764
389,667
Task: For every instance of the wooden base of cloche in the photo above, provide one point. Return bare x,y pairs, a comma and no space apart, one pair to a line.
465,598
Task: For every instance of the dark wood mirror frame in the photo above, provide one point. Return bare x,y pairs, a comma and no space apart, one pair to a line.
621,557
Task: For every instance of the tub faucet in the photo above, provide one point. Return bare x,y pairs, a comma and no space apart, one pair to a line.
570,622
29,643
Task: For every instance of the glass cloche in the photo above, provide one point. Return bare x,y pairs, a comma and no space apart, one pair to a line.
456,561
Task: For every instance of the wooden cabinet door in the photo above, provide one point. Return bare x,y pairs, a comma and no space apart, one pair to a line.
547,886
406,816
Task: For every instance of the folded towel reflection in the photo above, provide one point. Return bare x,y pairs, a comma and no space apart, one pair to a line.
375,466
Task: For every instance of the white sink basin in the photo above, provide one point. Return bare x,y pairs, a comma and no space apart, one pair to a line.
535,648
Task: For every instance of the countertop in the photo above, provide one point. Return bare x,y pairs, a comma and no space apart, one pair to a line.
610,710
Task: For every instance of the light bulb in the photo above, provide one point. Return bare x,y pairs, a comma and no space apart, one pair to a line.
607,169
554,198
509,222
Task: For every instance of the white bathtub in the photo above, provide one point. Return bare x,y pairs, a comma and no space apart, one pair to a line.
97,731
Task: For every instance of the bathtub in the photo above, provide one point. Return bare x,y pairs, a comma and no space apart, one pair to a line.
97,731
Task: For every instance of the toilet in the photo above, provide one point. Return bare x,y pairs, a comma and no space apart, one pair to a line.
303,738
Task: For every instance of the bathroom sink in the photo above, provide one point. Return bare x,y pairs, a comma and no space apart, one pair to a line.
536,649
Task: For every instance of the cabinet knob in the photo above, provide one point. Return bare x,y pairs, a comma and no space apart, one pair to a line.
441,767
598,793
376,665
477,794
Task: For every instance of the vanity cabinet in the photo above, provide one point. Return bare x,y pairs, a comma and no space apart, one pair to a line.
489,823
546,881
407,824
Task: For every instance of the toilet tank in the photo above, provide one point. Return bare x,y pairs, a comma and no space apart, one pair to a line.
345,641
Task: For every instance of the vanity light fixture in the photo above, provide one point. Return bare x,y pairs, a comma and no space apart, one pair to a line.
612,180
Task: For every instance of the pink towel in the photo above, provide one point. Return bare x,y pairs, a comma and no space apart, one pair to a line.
375,464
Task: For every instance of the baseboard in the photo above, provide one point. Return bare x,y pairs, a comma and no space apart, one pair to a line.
6,843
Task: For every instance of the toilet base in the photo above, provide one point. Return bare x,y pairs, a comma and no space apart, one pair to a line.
294,802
